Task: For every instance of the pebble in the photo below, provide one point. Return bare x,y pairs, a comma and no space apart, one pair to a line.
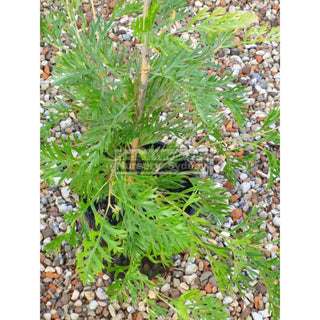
265,313
78,303
245,187
74,316
249,295
112,310
65,124
191,268
89,295
151,296
266,56
46,241
276,221
175,282
63,208
44,85
219,295
227,300
65,192
243,176
165,288
184,286
101,294
75,295
126,37
256,76
257,316
188,279
206,275
47,316
93,305
116,305
130,309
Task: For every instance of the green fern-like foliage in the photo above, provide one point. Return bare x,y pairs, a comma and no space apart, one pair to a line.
100,81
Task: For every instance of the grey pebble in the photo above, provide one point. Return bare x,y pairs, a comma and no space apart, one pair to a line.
205,275
177,263
165,288
100,293
63,208
78,303
176,282
54,228
191,268
65,192
130,309
126,37
177,273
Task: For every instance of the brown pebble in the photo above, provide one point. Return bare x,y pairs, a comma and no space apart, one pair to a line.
259,59
236,214
44,51
246,70
228,185
175,293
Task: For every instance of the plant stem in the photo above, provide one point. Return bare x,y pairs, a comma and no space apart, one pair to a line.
144,74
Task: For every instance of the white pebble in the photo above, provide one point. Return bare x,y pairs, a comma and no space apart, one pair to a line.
243,176
245,187
75,295
276,221
219,295
50,269
93,305
47,316
74,316
227,300
65,192
188,279
256,316
266,56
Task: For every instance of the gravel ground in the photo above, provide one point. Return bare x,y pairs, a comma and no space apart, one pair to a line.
62,294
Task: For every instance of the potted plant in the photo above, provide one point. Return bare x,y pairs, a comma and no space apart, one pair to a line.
138,193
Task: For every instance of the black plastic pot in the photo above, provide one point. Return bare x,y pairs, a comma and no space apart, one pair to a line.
183,165
147,267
